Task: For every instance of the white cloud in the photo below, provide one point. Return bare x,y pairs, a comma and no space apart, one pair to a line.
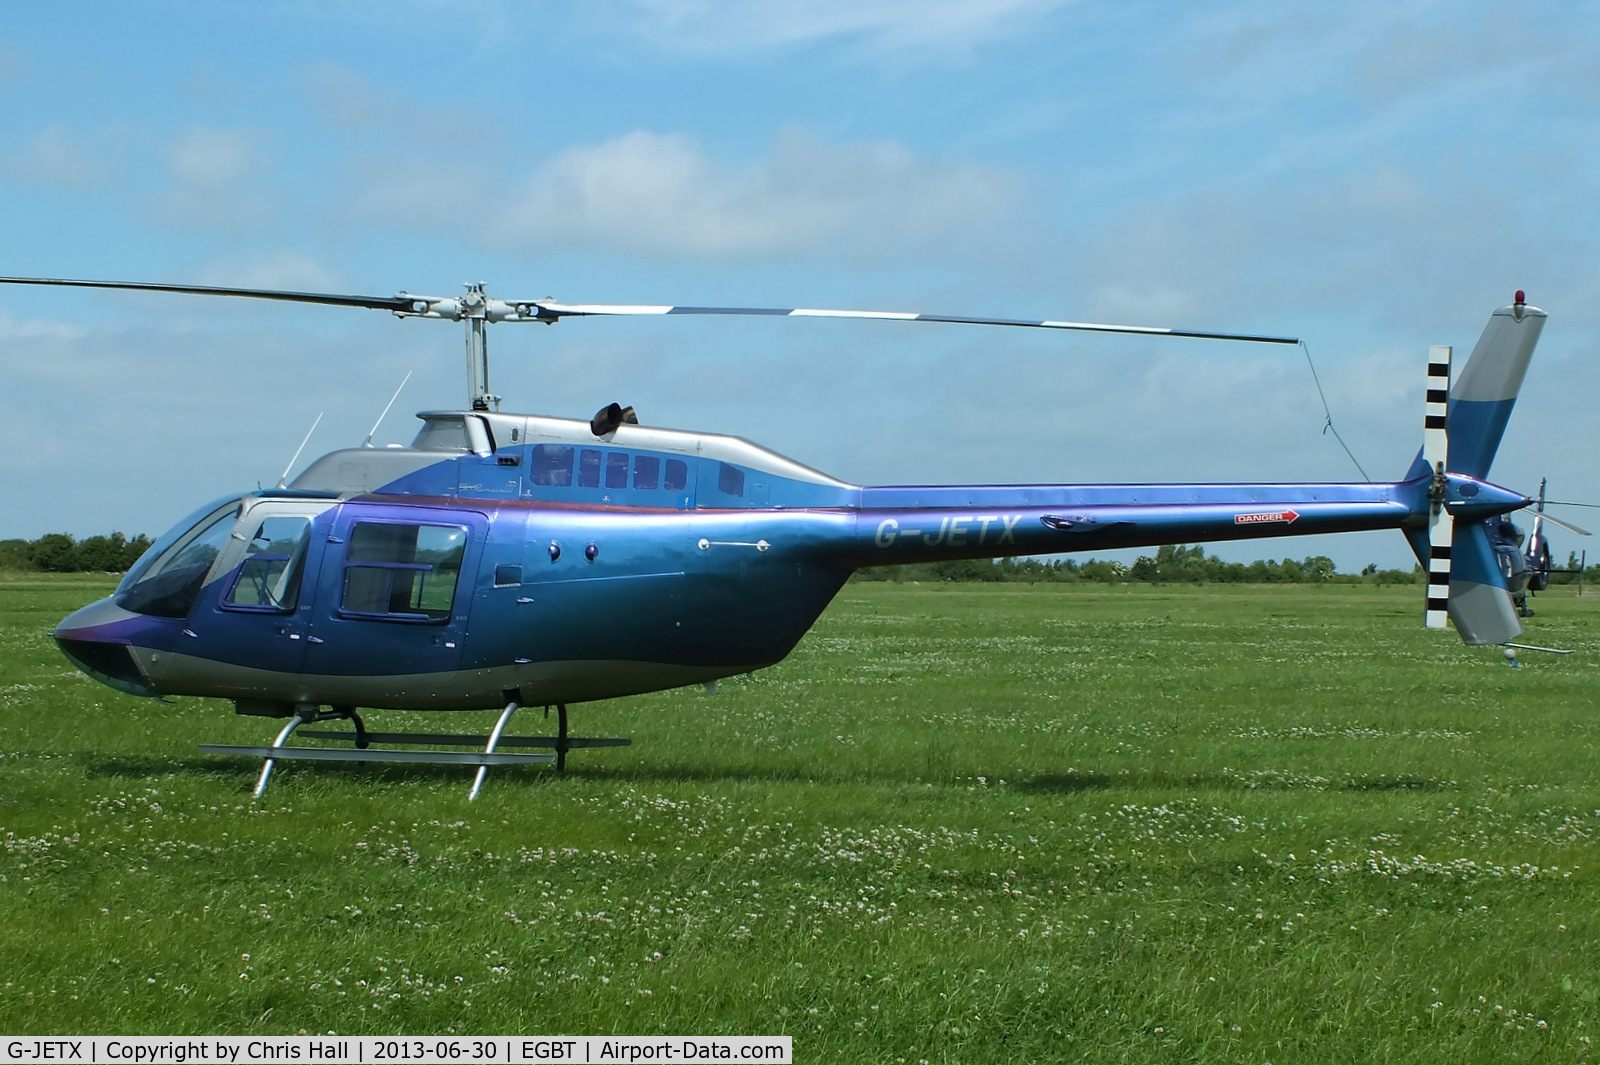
37,329
53,157
344,98
661,194
279,270
408,191
218,179
737,26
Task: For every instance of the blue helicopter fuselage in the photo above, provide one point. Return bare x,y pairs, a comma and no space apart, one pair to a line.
506,558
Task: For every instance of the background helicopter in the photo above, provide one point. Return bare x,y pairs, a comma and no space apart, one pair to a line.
503,560
1525,559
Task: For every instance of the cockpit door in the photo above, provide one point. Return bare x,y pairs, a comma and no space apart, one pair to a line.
251,625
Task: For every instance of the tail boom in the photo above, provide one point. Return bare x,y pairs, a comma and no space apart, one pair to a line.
934,534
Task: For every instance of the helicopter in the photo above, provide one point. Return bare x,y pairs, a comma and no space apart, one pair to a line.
505,560
1525,559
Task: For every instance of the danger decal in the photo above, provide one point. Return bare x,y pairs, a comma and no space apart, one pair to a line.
1266,517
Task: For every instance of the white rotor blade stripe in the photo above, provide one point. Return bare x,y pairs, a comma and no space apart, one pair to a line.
562,310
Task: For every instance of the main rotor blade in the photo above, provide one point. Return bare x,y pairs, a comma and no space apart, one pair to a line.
377,303
548,310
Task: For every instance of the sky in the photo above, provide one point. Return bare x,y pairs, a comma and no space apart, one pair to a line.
1373,178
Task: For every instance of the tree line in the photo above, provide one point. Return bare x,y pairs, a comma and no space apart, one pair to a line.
1171,564
60,553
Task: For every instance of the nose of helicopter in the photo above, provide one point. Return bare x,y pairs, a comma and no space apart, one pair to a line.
95,639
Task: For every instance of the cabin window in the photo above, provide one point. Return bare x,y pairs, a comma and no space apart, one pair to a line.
550,465
646,472
403,572
269,578
730,479
616,469
173,582
508,574
677,475
588,468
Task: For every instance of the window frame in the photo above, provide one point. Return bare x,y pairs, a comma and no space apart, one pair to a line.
296,581
422,618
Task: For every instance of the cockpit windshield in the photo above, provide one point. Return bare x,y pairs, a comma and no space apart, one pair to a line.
168,585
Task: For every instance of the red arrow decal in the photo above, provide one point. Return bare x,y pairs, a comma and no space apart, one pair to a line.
1267,517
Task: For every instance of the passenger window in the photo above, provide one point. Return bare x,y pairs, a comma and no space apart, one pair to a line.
550,465
677,475
730,479
269,579
507,574
616,469
646,471
403,572
588,468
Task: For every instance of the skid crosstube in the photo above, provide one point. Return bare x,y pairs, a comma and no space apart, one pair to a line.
362,751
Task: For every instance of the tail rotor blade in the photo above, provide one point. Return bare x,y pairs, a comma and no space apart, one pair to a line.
1435,437
1441,531
1436,452
1567,525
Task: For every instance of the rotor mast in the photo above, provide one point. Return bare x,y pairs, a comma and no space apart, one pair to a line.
475,310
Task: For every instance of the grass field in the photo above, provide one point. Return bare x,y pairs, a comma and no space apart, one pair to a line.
961,823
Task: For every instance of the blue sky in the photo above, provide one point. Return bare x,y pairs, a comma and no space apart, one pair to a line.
1375,179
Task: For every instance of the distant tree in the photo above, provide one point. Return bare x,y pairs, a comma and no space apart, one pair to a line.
102,554
54,553
14,555
134,550
1103,571
1319,568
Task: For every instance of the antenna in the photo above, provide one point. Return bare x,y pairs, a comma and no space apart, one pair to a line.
385,414
282,481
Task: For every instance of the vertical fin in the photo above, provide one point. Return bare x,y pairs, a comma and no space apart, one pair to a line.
1486,390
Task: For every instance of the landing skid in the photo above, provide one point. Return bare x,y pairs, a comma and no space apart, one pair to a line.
363,752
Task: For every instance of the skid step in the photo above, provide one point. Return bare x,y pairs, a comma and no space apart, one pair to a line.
444,739
347,754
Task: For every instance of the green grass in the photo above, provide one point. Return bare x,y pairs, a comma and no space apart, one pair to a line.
960,823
